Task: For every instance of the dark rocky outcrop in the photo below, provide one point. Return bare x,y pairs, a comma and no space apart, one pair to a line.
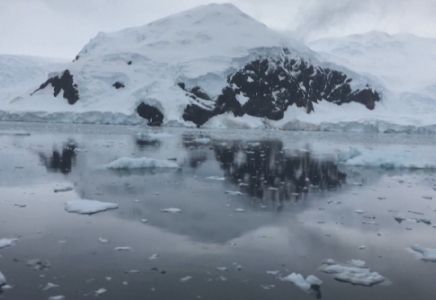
151,113
129,62
118,85
271,85
64,83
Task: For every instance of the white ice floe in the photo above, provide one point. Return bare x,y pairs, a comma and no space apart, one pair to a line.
49,286
171,210
221,268
144,220
240,210
153,257
103,241
126,163
309,285
184,279
152,137
275,273
234,193
60,297
2,279
353,272
99,292
88,207
124,248
359,211
428,254
7,243
62,190
203,141
218,178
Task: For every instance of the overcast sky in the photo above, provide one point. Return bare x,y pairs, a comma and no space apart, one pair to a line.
60,28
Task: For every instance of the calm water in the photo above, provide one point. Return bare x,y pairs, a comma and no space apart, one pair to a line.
299,209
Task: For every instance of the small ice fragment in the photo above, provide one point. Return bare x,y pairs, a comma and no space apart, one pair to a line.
20,205
416,212
222,278
184,279
357,263
221,269
126,163
60,297
123,248
99,292
108,278
217,178
88,207
427,253
39,264
240,210
171,210
267,287
136,200
49,286
132,272
153,257
7,243
203,141
125,283
273,189
369,223
359,211
275,273
103,241
2,279
309,285
234,193
62,190
427,197
362,247
144,220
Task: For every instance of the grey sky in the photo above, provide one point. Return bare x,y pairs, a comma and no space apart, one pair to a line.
60,28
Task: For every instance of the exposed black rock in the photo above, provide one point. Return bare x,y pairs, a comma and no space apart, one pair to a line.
65,83
151,113
273,84
118,85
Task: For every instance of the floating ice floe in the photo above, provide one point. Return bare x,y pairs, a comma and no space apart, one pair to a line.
359,211
60,297
126,163
310,285
401,219
144,220
153,257
428,254
124,248
221,268
103,241
240,210
353,272
152,137
49,286
217,178
38,264
7,243
171,210
99,292
203,141
234,193
184,279
275,273
88,207
2,279
15,132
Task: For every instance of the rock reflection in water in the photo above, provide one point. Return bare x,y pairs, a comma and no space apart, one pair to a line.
60,161
265,167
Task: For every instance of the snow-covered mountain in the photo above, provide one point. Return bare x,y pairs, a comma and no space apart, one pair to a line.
403,63
212,65
18,73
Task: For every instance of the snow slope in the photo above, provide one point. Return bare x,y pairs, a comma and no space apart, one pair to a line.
116,72
404,64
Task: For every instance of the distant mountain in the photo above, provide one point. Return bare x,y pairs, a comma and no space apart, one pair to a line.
189,68
403,63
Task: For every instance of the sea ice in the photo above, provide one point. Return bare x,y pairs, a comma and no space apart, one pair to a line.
2,279
171,210
202,141
65,189
310,285
359,211
49,286
6,243
221,269
88,207
103,241
123,248
218,178
427,253
234,193
60,297
125,163
99,292
184,279
353,272
240,210
153,257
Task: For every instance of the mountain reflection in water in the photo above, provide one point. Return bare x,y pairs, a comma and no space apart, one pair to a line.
60,161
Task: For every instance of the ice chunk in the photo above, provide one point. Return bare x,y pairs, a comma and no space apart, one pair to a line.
275,273
171,210
39,264
124,248
60,297
125,163
184,279
88,207
2,279
99,292
221,269
427,253
239,210
103,241
49,286
202,141
353,272
234,193
310,285
7,243
359,211
65,189
153,257
216,178
144,220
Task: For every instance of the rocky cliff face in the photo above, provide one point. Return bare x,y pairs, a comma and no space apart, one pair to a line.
266,87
